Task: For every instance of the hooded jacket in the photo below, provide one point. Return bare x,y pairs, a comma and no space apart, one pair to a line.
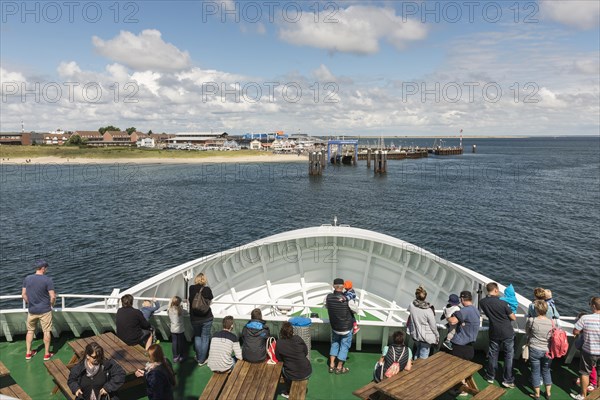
254,341
422,322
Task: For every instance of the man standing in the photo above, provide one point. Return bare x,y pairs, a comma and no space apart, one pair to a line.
340,318
502,335
588,326
38,293
467,327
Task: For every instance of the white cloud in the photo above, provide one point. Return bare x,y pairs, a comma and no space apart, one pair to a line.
581,14
587,67
358,30
146,51
8,76
323,74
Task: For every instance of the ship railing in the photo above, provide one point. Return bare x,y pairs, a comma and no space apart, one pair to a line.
104,301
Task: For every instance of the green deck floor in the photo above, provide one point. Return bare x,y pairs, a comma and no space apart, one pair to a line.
35,380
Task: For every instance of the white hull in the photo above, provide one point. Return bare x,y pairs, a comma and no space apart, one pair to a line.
294,268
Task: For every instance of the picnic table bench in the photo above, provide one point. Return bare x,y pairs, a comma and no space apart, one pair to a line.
490,393
298,389
427,379
60,374
213,388
12,389
252,381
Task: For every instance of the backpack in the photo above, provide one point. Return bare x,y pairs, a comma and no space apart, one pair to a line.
271,358
558,345
200,306
395,367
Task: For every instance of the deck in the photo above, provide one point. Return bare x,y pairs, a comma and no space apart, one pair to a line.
35,380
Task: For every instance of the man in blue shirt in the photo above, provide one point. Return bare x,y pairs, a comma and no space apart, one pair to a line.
467,327
38,293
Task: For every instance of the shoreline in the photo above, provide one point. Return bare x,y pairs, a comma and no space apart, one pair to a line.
260,158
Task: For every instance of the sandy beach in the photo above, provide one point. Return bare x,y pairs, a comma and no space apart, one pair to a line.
259,158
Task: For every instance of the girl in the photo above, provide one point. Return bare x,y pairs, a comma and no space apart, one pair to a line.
175,313
158,374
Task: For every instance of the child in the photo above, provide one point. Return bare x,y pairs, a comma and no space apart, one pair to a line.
594,374
175,313
449,310
350,295
148,311
511,298
552,313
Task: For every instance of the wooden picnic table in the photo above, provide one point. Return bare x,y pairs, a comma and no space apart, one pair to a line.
3,370
429,379
130,358
252,381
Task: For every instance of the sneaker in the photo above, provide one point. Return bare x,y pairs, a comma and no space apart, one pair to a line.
48,356
29,355
448,344
577,396
463,394
489,380
201,364
176,359
508,385
285,395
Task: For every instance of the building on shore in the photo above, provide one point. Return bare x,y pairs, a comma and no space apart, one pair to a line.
15,138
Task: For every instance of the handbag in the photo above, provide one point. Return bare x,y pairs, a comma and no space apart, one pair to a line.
525,352
395,367
271,344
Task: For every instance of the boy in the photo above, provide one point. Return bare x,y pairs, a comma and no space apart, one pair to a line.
350,295
449,310
222,345
148,311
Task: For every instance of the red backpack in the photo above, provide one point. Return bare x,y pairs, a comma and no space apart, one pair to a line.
558,345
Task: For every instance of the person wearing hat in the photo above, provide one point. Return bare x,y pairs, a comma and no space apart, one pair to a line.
350,296
38,293
451,308
341,320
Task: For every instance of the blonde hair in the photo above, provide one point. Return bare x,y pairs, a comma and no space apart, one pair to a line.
176,304
539,293
147,303
540,306
200,279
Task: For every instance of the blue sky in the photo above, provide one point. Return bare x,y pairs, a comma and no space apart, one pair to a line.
377,67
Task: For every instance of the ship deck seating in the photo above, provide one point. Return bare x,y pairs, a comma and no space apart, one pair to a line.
12,389
490,393
60,373
298,389
214,387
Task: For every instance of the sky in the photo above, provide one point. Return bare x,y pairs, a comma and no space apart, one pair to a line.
406,68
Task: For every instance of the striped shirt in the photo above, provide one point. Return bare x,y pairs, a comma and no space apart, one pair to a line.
590,325
222,346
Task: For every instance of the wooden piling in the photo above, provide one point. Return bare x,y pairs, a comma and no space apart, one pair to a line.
368,158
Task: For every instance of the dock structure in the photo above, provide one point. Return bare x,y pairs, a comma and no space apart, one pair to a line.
393,154
338,156
380,166
316,163
447,151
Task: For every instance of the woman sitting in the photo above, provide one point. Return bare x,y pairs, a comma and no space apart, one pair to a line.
158,374
95,376
397,352
292,351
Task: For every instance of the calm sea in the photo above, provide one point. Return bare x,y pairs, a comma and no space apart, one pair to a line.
521,211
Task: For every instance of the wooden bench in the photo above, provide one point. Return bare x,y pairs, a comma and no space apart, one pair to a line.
60,373
12,390
595,395
298,390
252,381
369,392
490,393
15,391
213,388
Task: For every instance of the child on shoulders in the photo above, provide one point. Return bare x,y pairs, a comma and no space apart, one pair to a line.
350,295
449,310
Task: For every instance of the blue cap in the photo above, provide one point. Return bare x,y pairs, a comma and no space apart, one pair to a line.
39,264
453,299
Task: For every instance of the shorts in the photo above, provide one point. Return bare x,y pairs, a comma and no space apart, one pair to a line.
45,321
587,362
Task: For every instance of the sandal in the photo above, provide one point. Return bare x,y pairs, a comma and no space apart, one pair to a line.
342,371
331,370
